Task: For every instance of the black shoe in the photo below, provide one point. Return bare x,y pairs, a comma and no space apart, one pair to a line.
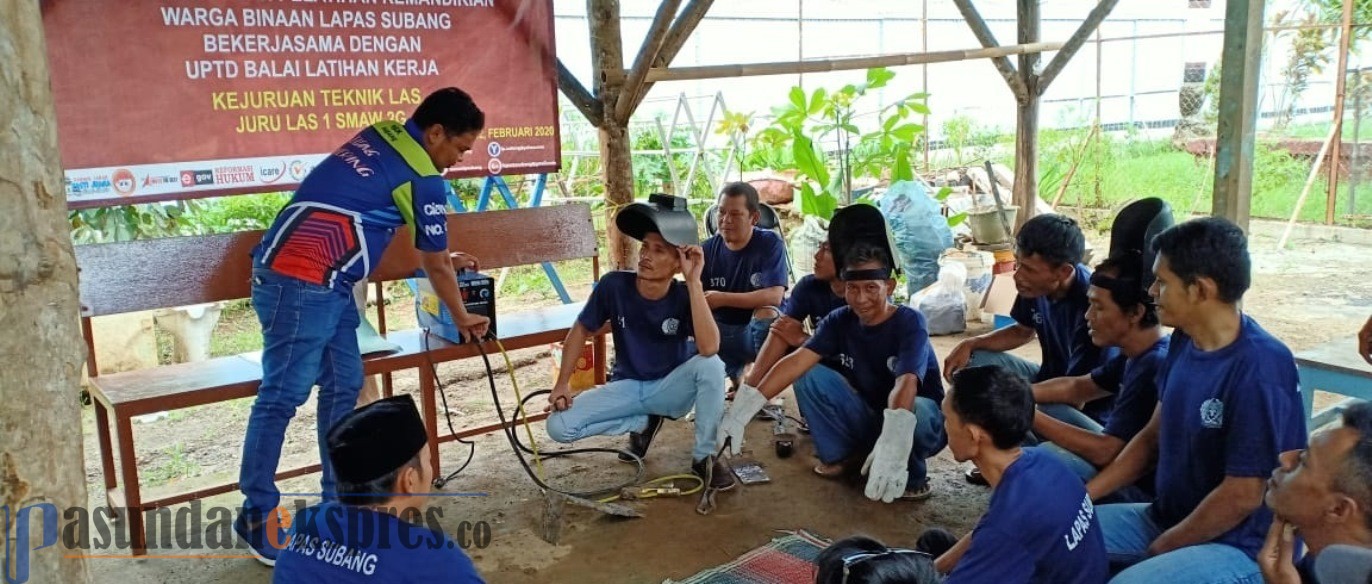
714,472
639,441
973,475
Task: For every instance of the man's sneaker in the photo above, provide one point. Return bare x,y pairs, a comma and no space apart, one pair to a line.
257,539
714,472
974,476
639,441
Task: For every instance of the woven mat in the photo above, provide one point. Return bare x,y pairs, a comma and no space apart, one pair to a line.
789,559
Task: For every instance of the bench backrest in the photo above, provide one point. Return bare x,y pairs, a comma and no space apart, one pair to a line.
122,277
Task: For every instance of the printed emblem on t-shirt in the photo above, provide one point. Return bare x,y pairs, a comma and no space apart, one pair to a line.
1038,317
756,279
891,364
669,326
1212,413
845,360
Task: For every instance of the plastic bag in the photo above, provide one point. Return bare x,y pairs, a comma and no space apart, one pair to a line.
921,233
805,241
944,305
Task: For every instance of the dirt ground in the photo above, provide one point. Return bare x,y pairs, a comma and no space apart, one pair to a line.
1305,296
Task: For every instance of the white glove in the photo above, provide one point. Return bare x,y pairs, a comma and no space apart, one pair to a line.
889,460
748,401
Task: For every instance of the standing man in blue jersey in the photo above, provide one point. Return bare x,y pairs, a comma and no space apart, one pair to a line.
745,276
1229,409
881,403
328,237
651,315
373,532
1040,525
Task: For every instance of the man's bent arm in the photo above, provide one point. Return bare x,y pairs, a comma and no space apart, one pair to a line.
702,320
787,371
1075,390
1097,449
1224,508
1132,463
751,300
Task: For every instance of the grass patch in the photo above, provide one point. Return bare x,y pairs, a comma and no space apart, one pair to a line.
177,466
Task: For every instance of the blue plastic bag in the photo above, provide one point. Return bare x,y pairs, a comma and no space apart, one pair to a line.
921,233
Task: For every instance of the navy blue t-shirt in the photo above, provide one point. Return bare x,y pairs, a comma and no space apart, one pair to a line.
1064,338
1228,412
1134,381
343,215
760,264
650,335
871,358
333,543
811,300
1040,526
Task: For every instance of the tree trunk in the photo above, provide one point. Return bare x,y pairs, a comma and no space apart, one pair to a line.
40,415
607,62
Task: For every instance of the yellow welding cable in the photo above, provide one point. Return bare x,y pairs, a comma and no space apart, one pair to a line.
519,399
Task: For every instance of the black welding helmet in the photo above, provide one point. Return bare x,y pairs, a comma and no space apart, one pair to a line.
860,223
1134,229
663,214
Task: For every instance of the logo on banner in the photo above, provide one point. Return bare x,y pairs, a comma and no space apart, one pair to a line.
493,149
195,178
299,169
153,180
494,166
124,182
89,185
234,175
272,172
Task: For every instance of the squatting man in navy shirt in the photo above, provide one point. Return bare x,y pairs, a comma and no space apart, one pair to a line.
651,315
329,237
745,277
881,404
374,532
1229,409
1040,525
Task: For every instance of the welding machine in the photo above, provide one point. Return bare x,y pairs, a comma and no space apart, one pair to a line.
478,295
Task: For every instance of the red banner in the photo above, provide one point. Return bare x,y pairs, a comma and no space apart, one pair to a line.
175,99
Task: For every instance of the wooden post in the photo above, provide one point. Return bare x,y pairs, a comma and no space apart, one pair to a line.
1027,121
41,460
1340,86
607,58
1238,116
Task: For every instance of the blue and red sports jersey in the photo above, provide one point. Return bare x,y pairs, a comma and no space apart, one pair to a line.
345,212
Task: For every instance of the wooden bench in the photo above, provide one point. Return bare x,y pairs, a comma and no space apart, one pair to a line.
1334,367
135,276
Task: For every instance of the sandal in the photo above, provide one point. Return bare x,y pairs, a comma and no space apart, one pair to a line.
919,493
830,471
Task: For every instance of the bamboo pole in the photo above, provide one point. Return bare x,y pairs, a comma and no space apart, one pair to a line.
1309,180
1076,163
1345,38
846,64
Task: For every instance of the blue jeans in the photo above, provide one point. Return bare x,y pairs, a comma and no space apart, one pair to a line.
843,424
309,335
1084,469
1130,528
739,343
623,405
1017,365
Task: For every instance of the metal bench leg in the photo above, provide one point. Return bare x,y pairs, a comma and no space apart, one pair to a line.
128,462
428,403
102,429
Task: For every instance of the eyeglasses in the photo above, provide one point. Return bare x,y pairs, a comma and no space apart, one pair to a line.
858,558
